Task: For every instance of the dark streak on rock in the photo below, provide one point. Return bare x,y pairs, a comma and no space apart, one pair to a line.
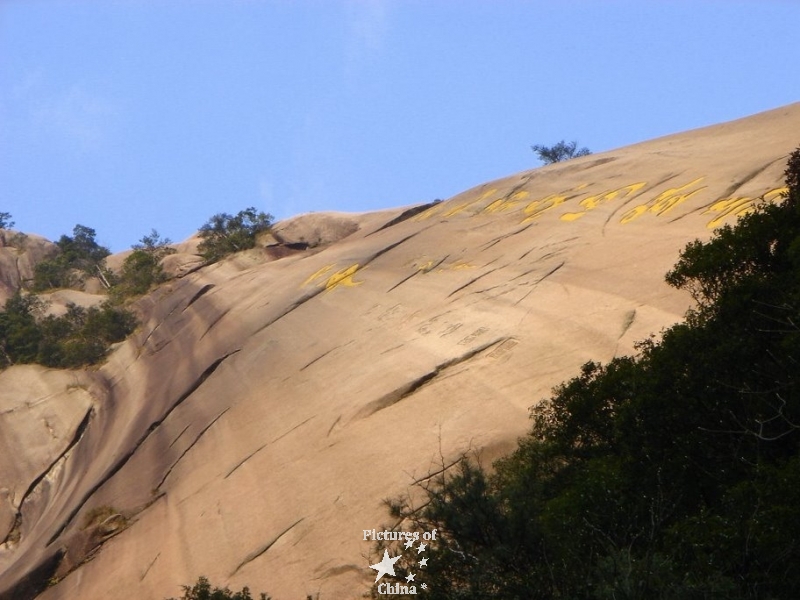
218,318
79,431
410,388
153,426
206,288
471,281
403,280
260,448
497,240
150,566
330,429
324,354
540,280
405,215
393,348
179,436
254,555
189,447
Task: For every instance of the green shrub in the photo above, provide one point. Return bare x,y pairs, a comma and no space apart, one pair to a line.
78,338
5,220
202,590
225,234
78,254
141,269
559,152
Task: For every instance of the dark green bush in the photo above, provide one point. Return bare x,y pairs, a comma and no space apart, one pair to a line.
78,338
559,152
225,234
5,220
141,269
79,254
202,590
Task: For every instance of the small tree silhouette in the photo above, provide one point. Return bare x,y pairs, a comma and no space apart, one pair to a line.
559,152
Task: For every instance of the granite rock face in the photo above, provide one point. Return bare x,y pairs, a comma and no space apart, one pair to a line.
251,428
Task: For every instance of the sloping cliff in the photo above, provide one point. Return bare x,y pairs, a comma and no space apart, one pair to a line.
251,428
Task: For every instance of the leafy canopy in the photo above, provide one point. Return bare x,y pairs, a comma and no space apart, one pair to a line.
225,234
79,253
559,152
202,590
77,338
142,269
5,220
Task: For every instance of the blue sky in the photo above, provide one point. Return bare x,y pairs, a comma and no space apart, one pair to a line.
129,115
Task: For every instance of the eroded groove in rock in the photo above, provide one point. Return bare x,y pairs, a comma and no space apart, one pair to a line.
330,429
418,272
403,280
295,305
216,320
324,354
150,566
189,447
405,215
390,247
499,239
172,443
254,555
471,281
540,280
203,290
158,325
260,448
79,431
410,388
153,426
746,179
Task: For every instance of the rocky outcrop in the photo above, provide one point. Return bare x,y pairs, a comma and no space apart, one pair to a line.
19,254
251,428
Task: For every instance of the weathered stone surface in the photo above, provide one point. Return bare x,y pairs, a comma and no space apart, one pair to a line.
252,426
41,413
19,254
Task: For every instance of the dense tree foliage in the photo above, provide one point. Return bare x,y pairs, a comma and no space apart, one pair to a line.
202,590
79,337
6,221
80,255
559,152
225,234
142,269
672,474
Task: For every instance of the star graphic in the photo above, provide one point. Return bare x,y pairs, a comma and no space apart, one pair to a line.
409,543
424,586
410,578
386,566
424,562
421,548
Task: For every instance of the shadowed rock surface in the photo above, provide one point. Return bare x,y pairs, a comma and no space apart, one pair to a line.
252,426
